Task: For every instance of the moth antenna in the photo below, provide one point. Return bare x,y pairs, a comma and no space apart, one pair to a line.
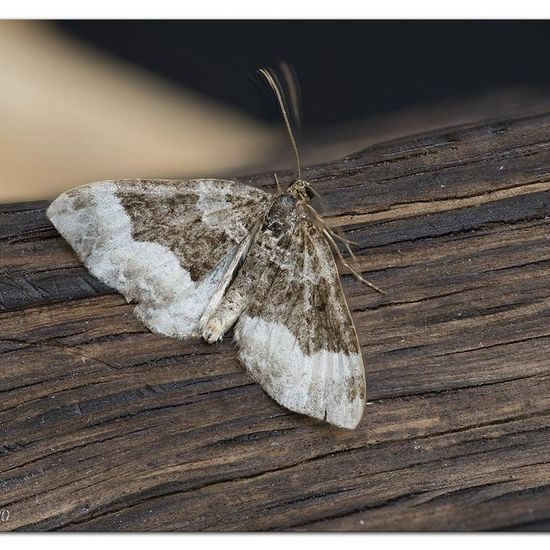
342,259
279,190
294,92
279,96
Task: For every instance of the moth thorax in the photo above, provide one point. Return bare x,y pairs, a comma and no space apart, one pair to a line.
283,214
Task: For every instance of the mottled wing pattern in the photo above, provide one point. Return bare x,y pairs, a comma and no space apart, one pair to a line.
166,244
297,338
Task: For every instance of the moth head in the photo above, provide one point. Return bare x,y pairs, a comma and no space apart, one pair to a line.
302,190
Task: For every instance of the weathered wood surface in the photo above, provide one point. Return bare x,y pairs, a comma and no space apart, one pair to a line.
105,426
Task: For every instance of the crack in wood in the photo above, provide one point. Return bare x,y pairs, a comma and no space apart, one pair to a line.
156,433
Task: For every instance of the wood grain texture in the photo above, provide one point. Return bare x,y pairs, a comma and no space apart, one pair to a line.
105,426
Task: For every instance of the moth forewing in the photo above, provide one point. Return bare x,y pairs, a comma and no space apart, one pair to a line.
296,335
164,244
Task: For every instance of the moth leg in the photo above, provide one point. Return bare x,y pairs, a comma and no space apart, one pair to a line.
330,235
322,225
357,276
340,238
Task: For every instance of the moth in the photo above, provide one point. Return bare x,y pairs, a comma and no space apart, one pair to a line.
201,256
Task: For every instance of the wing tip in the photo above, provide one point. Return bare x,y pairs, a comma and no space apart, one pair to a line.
347,420
347,415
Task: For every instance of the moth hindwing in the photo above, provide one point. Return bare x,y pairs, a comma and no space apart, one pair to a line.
200,256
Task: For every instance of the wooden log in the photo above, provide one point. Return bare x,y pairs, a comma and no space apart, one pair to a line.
106,426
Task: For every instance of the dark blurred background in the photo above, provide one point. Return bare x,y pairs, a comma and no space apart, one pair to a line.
91,100
348,69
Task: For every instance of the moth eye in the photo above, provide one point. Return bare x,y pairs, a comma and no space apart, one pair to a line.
309,192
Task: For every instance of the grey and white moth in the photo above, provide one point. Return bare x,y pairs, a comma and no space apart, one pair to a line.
200,256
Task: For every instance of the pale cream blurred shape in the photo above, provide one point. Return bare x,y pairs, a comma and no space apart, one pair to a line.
69,115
